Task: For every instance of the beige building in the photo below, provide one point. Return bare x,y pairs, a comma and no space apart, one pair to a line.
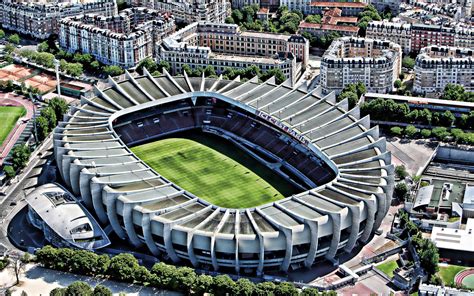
40,19
395,32
123,40
225,45
436,66
348,60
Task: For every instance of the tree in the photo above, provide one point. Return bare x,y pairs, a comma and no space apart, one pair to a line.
59,106
2,34
401,172
47,256
50,115
244,287
428,253
397,84
202,284
43,47
425,133
101,290
58,292
163,65
15,39
20,156
210,71
78,288
147,63
447,118
122,267
285,289
74,69
223,285
44,58
229,20
165,274
314,19
63,259
396,130
237,16
441,133
310,292
83,262
408,62
18,267
277,73
265,288
9,171
113,70
95,66
142,275
42,128
401,191
183,279
410,131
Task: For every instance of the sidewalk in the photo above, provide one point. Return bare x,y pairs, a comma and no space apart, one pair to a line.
40,281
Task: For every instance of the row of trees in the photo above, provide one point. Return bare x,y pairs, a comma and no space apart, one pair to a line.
286,22
13,38
456,92
153,67
49,117
369,14
322,41
388,110
82,289
125,268
440,133
20,156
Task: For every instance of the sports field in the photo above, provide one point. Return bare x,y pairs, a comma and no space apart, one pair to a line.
214,169
9,116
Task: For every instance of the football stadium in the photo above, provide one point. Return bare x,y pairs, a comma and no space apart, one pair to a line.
224,174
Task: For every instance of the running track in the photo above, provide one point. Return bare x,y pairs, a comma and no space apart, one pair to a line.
11,99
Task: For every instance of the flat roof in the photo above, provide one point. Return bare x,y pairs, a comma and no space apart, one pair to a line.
339,4
455,239
418,100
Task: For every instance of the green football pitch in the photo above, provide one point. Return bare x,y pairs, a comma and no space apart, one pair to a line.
214,169
9,116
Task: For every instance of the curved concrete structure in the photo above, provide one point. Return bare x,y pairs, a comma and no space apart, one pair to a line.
340,164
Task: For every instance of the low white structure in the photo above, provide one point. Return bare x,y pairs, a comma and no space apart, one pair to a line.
454,239
63,220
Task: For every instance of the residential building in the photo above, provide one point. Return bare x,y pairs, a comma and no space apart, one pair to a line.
348,60
413,37
40,20
387,5
436,66
395,32
124,39
347,8
332,21
189,11
225,45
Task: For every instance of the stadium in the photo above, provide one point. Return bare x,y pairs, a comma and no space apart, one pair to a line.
135,151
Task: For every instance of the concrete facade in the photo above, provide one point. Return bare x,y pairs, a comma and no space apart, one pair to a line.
354,183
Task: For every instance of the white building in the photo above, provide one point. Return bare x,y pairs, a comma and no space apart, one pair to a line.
375,63
123,40
63,220
436,66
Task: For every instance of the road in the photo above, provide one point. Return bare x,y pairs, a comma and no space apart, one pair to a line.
22,184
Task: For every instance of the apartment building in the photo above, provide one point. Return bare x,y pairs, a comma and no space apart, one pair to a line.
332,21
413,37
40,19
225,45
376,63
189,11
124,39
436,66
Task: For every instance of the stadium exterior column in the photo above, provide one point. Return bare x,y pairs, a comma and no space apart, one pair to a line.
146,225
336,235
261,243
236,238
96,192
111,206
168,242
129,225
190,247
313,247
85,178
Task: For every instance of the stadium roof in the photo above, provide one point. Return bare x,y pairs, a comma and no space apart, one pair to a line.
341,139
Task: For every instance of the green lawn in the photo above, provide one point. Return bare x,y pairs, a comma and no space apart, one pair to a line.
447,273
388,267
9,116
215,170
